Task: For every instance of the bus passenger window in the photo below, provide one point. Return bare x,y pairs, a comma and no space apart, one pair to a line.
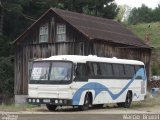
129,70
116,70
106,69
89,69
121,70
81,72
96,69
137,67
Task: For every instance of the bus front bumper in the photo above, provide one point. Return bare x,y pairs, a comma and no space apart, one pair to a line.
52,101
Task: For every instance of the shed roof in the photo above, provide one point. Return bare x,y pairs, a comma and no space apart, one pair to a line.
95,28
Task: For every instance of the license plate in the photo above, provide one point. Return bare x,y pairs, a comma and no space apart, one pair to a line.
46,100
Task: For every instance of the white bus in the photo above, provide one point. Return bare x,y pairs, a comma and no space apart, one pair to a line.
85,81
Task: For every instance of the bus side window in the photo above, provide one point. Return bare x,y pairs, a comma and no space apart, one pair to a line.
96,69
121,70
137,67
89,69
106,69
81,72
116,70
129,70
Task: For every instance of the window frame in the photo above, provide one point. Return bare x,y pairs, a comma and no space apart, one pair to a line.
44,33
83,77
60,31
114,66
50,81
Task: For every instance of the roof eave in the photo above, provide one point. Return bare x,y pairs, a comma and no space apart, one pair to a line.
30,27
111,41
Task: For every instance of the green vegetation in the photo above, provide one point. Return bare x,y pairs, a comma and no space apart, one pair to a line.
149,102
155,69
16,108
144,14
153,29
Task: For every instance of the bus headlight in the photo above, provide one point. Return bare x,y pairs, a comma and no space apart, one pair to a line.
29,100
56,101
34,100
37,100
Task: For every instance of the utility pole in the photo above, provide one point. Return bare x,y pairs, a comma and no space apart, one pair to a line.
147,37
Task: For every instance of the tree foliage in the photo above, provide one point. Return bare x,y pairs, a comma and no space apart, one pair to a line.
18,14
144,14
6,78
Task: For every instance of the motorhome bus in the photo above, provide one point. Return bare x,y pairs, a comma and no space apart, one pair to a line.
85,81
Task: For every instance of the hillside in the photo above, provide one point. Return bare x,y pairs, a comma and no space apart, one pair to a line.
152,28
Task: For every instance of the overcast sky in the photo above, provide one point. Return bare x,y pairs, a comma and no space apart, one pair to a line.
138,3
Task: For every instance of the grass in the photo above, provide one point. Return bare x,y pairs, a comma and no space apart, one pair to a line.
149,102
16,108
154,31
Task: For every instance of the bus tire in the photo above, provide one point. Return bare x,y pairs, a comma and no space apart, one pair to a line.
128,100
51,107
86,104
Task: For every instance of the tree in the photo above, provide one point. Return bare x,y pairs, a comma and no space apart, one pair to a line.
101,8
24,12
140,15
6,79
1,19
156,13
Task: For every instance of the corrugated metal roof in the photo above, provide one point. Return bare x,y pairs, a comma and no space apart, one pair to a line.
96,28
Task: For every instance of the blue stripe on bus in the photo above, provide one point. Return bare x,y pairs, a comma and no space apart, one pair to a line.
97,87
135,95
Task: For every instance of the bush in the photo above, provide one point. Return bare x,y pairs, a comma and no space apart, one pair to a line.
6,79
155,69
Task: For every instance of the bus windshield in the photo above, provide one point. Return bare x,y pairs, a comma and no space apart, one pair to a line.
51,71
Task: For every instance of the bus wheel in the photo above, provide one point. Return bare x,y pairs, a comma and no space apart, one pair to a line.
128,101
51,107
86,104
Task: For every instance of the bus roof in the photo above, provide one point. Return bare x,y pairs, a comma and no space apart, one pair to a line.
92,58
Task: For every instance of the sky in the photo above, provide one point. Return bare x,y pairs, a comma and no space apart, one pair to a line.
138,3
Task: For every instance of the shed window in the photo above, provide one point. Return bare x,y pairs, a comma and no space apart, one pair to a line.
61,32
43,33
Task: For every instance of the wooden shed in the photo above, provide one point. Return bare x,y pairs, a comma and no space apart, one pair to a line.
59,32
